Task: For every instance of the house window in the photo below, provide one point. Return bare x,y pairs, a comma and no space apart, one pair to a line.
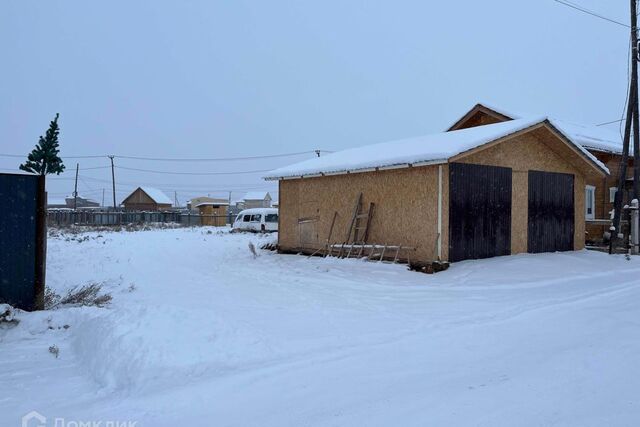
590,202
612,194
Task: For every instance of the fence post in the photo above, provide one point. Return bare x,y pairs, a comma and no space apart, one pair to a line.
41,246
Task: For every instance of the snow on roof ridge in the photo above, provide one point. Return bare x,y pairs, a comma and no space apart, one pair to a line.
589,136
435,148
157,195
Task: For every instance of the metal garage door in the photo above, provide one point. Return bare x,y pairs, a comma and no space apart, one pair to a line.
551,212
479,211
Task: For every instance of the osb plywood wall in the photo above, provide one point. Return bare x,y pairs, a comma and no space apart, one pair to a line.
405,209
537,150
479,118
216,216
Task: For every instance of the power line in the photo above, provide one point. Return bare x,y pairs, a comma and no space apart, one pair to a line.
159,184
192,173
22,156
590,12
220,159
611,122
170,159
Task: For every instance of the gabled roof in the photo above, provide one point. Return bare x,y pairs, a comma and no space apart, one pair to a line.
591,137
156,195
424,150
256,195
212,204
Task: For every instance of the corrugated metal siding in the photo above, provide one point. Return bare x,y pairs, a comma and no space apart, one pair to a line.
551,212
479,211
18,244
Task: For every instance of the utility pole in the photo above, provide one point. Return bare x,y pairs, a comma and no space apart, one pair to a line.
113,183
75,189
631,121
175,198
103,197
636,124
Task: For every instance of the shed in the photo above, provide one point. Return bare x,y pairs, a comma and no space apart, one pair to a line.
498,189
147,199
604,144
213,213
193,203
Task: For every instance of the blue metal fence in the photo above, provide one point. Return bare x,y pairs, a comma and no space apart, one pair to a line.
22,240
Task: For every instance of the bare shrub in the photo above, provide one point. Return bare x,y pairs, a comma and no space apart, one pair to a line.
269,247
51,298
87,295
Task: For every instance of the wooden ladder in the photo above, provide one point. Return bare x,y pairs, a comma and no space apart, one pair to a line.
360,223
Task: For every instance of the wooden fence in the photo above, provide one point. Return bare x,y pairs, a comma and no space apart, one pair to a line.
66,218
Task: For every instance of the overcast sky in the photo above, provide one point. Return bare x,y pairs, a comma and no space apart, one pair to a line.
210,79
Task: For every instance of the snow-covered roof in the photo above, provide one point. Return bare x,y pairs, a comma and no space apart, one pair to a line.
212,204
256,195
61,202
591,137
157,195
430,149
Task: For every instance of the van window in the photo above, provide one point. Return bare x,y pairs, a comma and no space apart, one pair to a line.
246,218
256,218
271,218
238,218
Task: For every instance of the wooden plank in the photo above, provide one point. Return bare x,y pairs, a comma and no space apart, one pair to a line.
333,222
355,214
369,216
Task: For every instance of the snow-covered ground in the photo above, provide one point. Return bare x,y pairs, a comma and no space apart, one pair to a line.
200,333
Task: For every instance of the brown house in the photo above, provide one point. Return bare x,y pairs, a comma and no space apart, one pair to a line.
605,145
499,189
147,199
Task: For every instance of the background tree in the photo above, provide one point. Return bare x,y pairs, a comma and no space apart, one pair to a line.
44,158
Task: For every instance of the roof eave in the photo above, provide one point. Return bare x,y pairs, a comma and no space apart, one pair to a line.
362,170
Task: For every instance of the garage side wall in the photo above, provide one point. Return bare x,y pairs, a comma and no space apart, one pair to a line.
406,209
532,152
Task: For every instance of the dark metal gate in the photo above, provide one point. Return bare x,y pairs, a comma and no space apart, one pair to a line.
22,240
479,211
551,212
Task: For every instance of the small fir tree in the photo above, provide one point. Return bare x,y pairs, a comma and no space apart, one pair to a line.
44,159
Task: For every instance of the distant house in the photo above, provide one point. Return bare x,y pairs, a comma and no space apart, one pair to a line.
56,204
70,203
256,199
147,199
81,202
